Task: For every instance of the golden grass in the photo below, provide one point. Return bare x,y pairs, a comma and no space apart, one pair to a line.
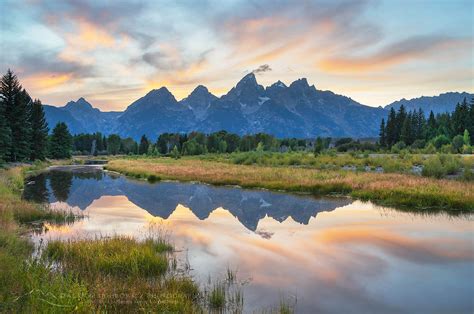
383,188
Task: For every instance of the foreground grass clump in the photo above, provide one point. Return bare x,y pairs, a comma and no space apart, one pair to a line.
391,189
119,256
123,274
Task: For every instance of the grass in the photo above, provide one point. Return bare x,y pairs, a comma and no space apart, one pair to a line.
217,296
390,189
390,163
116,256
123,274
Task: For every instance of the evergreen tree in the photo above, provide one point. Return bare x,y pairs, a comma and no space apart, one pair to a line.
16,105
5,133
406,130
175,153
420,125
318,146
61,142
382,134
391,128
431,127
39,132
143,147
113,144
401,116
460,118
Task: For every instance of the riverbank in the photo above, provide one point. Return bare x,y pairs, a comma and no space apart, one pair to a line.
403,191
118,274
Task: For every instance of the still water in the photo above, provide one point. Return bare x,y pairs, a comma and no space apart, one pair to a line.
324,255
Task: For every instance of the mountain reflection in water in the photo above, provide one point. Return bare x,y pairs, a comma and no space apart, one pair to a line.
81,188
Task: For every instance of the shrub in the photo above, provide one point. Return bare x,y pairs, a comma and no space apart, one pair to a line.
451,164
433,168
467,149
398,147
418,144
458,142
440,140
447,149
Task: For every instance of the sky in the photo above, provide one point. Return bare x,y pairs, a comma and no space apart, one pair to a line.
114,52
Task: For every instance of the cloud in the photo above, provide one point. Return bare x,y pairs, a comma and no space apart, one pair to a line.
413,48
262,69
50,62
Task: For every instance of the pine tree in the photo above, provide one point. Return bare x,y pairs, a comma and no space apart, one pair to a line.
391,128
39,132
143,147
5,133
431,126
17,104
420,125
401,116
318,146
113,144
460,118
382,134
406,130
61,142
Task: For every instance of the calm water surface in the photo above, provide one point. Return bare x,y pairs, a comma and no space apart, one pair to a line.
329,255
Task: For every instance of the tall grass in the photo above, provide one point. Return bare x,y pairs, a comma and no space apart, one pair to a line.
118,256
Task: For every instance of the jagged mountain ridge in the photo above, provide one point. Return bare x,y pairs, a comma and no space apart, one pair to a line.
81,117
442,103
298,110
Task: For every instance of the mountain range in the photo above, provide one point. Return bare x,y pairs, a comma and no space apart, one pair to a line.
298,110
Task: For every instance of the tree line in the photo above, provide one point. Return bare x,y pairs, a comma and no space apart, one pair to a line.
450,132
177,144
23,127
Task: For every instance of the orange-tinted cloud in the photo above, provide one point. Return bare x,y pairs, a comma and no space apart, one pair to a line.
411,49
431,250
47,81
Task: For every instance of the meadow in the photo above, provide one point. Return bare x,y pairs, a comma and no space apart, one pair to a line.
347,175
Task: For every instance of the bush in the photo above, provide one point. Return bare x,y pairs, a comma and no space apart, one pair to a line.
418,144
441,165
458,142
430,149
433,168
447,149
467,149
440,140
451,164
398,147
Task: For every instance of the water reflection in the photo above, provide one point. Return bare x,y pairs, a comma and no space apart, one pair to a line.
335,257
81,188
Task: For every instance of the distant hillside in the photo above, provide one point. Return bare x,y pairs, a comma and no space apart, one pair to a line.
81,117
438,104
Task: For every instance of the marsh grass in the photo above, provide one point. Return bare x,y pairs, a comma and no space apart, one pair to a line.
123,274
116,256
392,189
